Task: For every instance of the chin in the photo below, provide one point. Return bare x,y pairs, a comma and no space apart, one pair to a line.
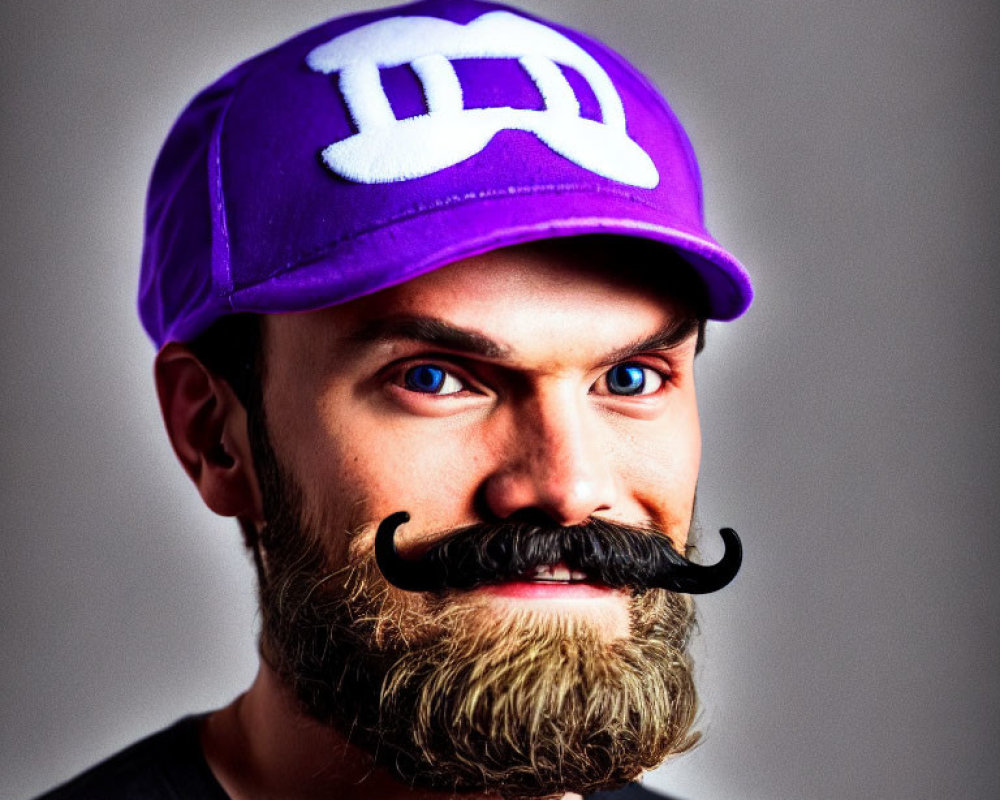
529,688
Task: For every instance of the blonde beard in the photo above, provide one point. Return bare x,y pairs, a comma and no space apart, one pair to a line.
455,698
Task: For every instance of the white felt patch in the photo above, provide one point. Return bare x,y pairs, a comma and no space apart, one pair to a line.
386,149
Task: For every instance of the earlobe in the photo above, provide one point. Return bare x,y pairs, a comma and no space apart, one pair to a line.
207,427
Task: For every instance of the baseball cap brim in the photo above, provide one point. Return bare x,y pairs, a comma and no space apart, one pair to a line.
391,254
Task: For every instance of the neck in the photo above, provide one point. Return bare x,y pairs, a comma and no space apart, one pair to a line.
262,747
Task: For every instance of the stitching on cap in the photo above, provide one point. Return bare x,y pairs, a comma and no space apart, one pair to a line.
438,205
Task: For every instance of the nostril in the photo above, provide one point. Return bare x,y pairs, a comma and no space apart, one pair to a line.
532,516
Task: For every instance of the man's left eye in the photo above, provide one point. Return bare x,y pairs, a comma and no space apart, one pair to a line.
430,379
630,380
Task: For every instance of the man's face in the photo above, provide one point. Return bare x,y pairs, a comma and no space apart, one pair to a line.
539,402
549,381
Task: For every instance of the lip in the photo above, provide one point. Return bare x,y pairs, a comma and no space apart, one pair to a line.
547,590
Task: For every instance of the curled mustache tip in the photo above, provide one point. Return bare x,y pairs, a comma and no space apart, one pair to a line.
397,570
691,578
672,571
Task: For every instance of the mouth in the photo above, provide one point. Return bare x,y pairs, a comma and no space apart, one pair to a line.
549,582
554,573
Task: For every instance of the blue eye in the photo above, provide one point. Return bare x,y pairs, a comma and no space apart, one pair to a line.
424,378
429,379
632,379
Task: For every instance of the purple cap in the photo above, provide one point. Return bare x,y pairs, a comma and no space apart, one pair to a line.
377,147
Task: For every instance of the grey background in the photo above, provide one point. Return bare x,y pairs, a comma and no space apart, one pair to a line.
850,417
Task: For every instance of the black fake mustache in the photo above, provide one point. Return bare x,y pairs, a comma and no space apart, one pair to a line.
616,555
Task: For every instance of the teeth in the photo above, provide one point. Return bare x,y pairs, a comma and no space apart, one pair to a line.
558,573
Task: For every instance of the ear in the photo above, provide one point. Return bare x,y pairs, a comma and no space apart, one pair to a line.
207,426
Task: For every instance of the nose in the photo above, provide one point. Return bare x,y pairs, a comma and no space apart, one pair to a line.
555,461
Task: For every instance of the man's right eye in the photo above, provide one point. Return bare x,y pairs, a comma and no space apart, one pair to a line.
431,379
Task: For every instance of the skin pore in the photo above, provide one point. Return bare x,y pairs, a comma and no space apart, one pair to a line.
543,379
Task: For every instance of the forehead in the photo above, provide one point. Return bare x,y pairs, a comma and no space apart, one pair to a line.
581,287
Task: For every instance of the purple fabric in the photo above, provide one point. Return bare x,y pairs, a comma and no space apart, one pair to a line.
244,215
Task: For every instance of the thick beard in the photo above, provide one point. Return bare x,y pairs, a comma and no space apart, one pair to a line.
450,697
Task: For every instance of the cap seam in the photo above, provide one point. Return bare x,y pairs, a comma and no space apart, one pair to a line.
221,228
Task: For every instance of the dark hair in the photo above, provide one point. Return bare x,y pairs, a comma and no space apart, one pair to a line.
231,348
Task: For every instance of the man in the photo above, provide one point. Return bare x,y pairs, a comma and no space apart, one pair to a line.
428,284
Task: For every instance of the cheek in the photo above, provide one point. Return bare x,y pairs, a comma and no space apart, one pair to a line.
360,466
662,471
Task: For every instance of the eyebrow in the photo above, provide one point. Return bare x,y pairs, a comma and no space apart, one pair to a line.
666,338
437,332
429,330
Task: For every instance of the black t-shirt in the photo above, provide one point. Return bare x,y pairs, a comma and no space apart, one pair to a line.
170,765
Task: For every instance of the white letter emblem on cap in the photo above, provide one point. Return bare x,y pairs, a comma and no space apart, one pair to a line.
387,149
